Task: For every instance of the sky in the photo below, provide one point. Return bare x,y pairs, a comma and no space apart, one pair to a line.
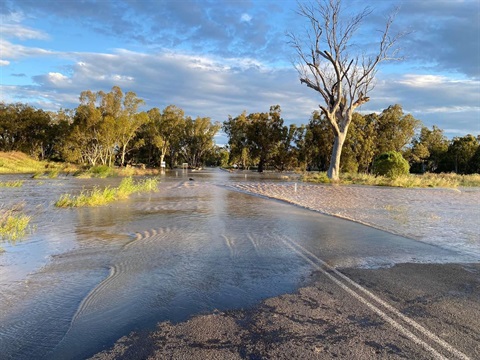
218,58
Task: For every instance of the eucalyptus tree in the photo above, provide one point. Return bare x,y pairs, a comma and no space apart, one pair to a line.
123,110
286,156
236,130
461,154
329,63
24,128
83,144
428,149
264,134
317,146
360,144
394,129
197,141
166,127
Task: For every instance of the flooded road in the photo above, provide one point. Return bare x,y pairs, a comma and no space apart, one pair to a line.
87,276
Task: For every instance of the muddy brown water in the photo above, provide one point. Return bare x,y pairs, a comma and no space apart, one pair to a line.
85,277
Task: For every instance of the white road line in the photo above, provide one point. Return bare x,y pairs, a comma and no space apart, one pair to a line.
302,251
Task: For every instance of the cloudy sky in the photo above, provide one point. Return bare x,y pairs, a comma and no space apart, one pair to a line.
218,58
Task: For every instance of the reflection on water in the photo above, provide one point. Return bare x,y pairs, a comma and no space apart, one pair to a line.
192,247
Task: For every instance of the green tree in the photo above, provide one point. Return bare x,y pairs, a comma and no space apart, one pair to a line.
317,145
258,137
264,133
83,145
237,132
474,163
287,156
57,133
166,128
428,149
459,156
394,130
328,64
123,110
196,142
360,144
24,128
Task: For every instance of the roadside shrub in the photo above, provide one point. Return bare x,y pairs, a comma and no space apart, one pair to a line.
316,177
391,164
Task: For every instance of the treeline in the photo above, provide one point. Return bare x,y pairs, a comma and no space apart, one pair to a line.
262,139
109,129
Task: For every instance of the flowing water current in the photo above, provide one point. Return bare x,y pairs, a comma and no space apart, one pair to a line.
85,277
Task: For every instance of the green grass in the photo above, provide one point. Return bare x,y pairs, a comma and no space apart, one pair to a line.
100,171
16,162
407,181
98,197
12,183
13,225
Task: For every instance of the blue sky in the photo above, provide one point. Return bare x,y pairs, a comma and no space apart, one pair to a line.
219,58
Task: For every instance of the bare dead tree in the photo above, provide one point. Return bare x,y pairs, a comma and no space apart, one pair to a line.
325,64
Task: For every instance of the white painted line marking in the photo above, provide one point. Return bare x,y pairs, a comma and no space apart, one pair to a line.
298,249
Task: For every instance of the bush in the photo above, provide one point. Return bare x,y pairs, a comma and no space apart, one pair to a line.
391,164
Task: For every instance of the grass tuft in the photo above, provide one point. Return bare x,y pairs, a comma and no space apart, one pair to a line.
98,197
12,183
13,224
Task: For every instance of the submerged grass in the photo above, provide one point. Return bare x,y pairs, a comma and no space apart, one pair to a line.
12,183
13,224
104,171
98,197
407,181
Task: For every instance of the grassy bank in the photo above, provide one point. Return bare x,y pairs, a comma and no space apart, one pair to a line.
98,197
408,181
16,162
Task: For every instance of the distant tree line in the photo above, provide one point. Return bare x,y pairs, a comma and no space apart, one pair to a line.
262,139
108,129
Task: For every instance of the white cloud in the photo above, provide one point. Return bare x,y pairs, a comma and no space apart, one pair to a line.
245,18
422,80
57,78
4,62
15,51
21,32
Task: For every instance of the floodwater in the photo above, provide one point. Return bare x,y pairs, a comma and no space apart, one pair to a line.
85,277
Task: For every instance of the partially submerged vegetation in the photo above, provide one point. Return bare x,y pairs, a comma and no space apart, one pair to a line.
105,171
13,224
98,197
426,180
11,183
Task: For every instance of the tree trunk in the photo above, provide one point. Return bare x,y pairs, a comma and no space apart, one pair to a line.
124,150
334,169
261,165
